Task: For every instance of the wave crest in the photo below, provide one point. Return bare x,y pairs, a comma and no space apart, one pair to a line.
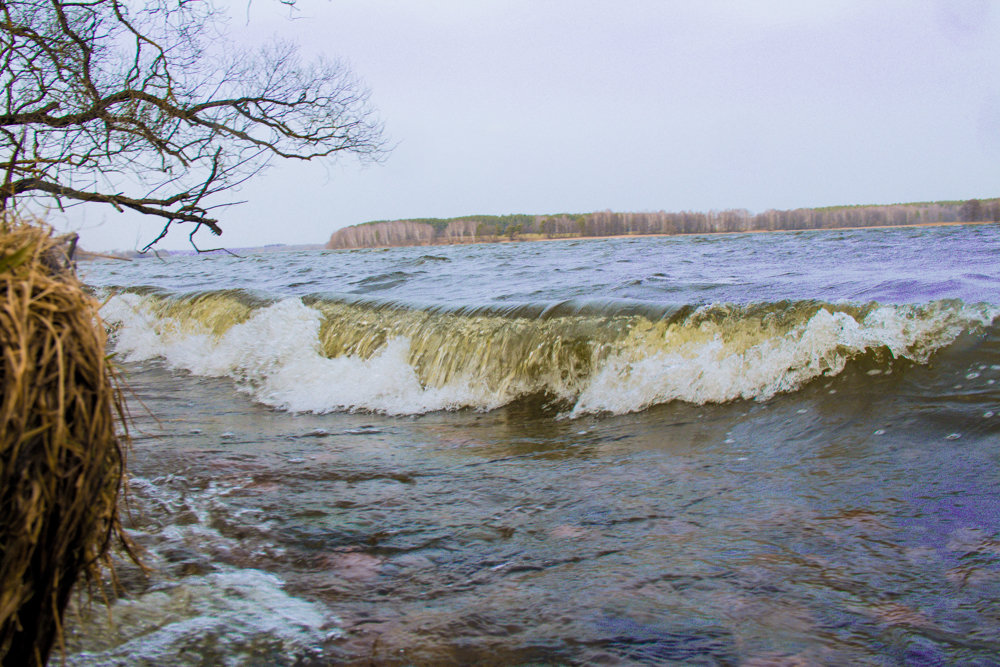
331,355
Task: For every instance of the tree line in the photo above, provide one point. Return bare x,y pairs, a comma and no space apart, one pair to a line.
486,228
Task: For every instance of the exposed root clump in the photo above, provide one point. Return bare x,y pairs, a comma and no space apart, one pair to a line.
61,459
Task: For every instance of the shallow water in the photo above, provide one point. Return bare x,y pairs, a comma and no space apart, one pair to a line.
849,517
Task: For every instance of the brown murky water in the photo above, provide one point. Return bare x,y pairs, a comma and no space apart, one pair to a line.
770,449
820,528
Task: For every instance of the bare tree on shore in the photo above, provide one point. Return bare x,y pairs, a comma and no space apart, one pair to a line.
150,108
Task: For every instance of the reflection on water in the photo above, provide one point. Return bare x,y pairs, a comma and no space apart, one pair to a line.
854,521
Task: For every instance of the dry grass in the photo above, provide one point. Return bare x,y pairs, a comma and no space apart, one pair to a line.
61,460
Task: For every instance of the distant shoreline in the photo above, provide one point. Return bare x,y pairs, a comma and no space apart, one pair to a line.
612,224
750,231
533,237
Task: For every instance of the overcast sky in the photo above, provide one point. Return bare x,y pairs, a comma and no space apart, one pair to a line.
547,106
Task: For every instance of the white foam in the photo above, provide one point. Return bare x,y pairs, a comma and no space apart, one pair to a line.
274,356
703,372
227,615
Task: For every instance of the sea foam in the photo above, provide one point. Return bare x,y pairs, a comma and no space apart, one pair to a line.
274,356
711,372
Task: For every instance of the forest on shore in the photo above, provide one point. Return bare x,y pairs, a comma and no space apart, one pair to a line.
491,228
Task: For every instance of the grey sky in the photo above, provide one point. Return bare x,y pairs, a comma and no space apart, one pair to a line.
546,106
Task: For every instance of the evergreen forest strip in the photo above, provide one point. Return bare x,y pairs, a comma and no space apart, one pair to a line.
492,228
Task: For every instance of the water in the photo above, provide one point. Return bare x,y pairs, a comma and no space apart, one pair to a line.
713,450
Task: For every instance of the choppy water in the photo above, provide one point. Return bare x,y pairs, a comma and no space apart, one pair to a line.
711,450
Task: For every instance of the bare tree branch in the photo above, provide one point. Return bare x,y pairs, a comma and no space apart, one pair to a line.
101,96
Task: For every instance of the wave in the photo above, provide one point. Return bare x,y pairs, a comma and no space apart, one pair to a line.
323,354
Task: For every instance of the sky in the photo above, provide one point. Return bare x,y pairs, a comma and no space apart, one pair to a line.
550,106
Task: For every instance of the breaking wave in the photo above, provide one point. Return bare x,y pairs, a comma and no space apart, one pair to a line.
324,354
